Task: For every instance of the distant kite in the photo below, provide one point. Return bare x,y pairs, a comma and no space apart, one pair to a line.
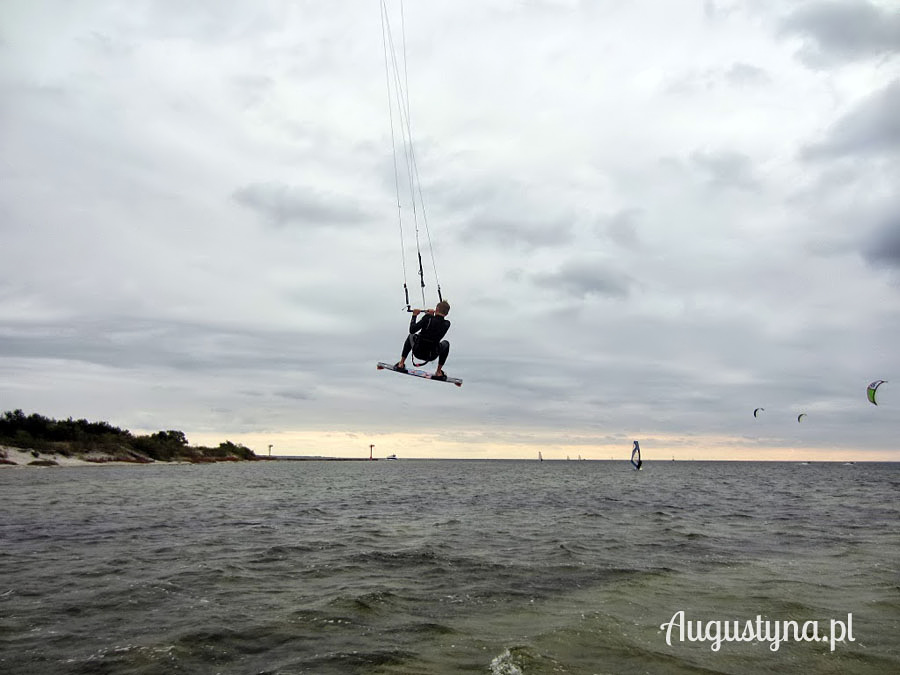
872,388
800,417
757,411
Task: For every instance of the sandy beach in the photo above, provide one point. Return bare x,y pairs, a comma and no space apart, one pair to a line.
23,458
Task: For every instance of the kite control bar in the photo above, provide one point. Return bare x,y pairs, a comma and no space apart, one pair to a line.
406,295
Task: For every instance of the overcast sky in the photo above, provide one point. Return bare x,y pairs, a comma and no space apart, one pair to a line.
649,218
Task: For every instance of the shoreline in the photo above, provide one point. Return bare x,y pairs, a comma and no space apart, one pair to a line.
24,458
12,457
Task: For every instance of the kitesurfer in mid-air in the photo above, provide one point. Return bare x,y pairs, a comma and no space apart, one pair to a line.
425,339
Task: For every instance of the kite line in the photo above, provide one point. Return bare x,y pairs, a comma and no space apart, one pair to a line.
397,85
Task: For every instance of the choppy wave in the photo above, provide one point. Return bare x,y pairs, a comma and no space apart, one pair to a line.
439,567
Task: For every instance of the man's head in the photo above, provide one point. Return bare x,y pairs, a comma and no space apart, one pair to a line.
442,308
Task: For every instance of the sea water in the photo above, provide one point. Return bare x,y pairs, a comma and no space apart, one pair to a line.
426,566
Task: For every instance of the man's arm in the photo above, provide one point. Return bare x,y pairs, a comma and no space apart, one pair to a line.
416,326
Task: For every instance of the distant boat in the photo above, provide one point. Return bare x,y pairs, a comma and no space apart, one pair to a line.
540,456
391,457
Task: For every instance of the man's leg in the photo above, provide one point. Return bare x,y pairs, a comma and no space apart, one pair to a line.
407,348
443,353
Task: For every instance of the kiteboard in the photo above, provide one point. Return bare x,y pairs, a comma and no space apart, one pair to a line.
415,372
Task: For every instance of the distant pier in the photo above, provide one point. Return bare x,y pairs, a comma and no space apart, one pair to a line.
286,458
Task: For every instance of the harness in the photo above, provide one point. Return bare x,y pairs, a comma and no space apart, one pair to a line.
420,342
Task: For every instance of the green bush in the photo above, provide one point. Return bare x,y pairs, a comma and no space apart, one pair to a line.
64,437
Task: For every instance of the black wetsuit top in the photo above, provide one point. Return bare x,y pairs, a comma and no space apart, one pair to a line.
433,329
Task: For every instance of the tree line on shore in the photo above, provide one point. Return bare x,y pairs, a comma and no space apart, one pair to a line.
69,437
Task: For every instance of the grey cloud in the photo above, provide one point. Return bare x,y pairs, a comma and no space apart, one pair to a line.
208,20
283,204
746,74
714,9
183,346
583,278
621,228
295,395
251,89
843,30
106,45
873,127
883,248
739,74
726,169
495,206
455,195
519,233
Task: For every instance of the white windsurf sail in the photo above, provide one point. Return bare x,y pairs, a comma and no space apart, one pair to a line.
636,456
